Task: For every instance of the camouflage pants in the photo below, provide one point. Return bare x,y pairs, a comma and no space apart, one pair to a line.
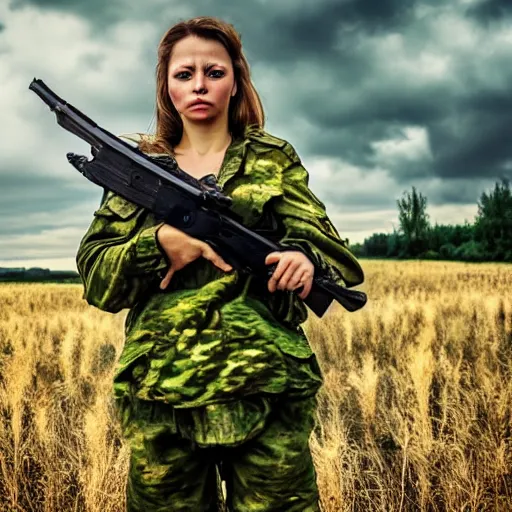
258,446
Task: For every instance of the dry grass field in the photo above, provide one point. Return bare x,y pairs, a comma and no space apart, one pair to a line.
415,413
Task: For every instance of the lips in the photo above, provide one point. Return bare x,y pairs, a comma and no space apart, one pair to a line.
197,103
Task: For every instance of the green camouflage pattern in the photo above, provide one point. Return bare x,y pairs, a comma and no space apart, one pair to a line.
169,471
212,336
216,372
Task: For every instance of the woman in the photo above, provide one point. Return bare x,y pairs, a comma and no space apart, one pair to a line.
216,372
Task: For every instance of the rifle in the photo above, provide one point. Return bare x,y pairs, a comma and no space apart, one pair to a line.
196,207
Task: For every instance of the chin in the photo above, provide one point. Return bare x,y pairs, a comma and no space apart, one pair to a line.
202,117
199,119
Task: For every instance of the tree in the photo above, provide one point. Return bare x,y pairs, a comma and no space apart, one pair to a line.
414,223
376,245
393,244
448,236
493,224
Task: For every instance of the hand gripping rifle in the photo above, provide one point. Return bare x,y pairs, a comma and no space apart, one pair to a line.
196,207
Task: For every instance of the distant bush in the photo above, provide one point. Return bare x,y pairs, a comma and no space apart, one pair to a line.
430,255
447,251
471,251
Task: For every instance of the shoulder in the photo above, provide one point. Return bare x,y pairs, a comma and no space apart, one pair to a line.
261,141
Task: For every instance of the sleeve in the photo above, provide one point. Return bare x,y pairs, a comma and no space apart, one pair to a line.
119,258
307,227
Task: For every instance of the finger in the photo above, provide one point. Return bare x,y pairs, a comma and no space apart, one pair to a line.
307,288
217,260
298,279
272,257
167,279
278,272
289,274
281,267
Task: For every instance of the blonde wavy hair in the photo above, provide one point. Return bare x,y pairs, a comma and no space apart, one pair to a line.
245,107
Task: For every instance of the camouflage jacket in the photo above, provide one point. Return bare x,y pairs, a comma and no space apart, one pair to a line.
213,336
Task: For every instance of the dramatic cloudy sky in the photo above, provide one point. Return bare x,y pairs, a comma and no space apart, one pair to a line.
375,95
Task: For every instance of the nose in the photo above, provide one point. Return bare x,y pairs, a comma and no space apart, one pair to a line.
199,84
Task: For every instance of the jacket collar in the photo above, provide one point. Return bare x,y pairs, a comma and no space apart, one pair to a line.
234,158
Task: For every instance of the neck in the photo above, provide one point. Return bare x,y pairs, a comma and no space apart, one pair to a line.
203,139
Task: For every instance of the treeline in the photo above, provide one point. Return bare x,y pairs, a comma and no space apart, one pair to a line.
489,238
37,275
54,278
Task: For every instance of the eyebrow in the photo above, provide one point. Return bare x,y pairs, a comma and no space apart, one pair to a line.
207,66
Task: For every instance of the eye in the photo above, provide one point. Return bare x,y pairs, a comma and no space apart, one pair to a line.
182,75
216,73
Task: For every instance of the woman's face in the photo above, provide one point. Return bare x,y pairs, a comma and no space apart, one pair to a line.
200,69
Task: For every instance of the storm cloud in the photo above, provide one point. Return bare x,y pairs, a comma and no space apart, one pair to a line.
376,97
